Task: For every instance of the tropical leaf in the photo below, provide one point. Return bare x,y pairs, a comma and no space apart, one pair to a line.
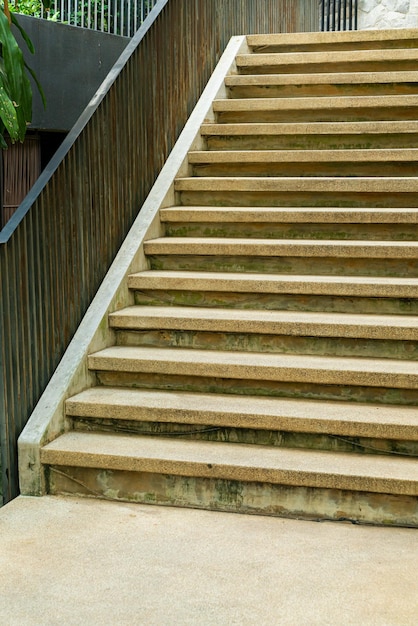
24,34
17,88
38,84
8,113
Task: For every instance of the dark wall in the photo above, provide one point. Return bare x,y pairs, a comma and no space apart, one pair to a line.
71,64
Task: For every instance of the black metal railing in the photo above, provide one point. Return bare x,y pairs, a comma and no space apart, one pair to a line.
339,15
57,247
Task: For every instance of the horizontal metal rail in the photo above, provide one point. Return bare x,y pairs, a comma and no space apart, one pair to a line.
58,245
339,15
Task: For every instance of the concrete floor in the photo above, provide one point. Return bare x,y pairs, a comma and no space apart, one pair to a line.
74,561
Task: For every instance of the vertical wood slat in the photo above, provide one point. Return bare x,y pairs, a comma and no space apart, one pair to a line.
57,250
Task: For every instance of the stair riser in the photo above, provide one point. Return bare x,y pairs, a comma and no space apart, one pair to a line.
321,90
394,65
324,266
295,230
271,343
330,169
282,389
285,302
277,438
312,141
297,199
355,114
235,496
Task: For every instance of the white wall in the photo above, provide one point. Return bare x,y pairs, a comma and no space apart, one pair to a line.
387,14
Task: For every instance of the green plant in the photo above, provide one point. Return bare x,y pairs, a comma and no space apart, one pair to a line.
27,7
15,87
34,9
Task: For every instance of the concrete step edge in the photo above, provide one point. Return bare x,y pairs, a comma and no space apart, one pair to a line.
331,78
388,327
303,103
210,246
405,184
304,156
325,57
378,36
234,462
365,372
311,128
250,412
338,215
280,283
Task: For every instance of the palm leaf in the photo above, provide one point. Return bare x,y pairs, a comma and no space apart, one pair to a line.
19,90
24,34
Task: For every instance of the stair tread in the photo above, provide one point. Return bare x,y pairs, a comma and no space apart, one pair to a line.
281,247
290,214
352,36
350,419
257,365
297,156
275,322
314,102
326,57
329,184
234,461
323,78
311,128
275,283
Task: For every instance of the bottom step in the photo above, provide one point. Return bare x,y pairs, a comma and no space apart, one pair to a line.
235,477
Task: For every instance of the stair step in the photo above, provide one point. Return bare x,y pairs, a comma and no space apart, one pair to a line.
336,60
378,474
344,108
291,104
310,416
401,162
320,85
279,332
404,127
302,135
212,246
312,185
360,286
291,223
298,191
290,215
357,39
269,322
302,156
258,366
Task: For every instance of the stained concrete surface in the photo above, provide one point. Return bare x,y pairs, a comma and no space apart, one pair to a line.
72,561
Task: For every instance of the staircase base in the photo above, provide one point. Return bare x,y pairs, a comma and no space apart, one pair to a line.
235,496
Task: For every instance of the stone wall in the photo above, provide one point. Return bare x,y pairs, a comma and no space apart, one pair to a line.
387,14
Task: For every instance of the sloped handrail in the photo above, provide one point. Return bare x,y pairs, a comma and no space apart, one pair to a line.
59,244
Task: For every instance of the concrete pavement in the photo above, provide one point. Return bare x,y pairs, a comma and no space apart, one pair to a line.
87,562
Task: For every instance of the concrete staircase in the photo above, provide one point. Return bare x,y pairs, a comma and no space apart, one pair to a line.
269,364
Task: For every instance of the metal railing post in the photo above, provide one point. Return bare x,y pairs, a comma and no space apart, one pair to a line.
339,15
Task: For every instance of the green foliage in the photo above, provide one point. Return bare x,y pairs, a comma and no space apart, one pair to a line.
28,7
15,87
34,9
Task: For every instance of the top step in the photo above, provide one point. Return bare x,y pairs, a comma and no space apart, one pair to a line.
343,40
383,60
